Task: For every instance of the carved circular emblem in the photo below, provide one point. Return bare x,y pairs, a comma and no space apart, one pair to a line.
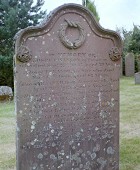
65,40
114,54
23,54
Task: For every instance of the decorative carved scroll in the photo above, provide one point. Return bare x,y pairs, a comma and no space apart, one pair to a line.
24,54
64,39
114,54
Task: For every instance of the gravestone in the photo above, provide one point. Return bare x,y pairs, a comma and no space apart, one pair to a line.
6,93
67,93
137,78
121,68
129,65
138,63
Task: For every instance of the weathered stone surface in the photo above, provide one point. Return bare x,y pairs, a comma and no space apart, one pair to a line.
137,78
138,62
67,94
121,68
129,65
6,93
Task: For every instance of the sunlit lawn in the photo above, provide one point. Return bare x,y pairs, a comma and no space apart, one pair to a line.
7,136
130,125
129,129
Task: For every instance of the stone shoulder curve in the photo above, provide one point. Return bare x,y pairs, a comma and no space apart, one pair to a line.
69,6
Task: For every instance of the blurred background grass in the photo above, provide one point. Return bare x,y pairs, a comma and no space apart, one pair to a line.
129,124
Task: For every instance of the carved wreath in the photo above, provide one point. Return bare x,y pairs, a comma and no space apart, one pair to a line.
65,40
114,54
23,54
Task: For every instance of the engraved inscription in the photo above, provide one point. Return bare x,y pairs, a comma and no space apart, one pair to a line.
72,98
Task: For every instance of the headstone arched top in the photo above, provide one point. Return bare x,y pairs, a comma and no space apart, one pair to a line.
68,16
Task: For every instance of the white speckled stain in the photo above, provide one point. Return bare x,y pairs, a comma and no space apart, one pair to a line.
54,104
49,34
111,103
33,126
40,156
102,162
35,166
96,128
53,157
82,130
93,155
110,150
99,96
53,144
50,74
52,131
20,111
18,129
96,148
61,127
31,38
31,98
43,42
103,114
77,154
117,65
34,141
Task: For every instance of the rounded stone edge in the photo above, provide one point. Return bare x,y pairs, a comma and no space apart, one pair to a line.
47,19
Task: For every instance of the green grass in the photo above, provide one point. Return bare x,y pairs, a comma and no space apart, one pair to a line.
129,124
7,136
129,129
130,153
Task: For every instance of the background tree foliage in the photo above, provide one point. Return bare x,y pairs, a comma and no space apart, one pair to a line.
134,46
131,43
91,6
19,14
134,43
14,15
